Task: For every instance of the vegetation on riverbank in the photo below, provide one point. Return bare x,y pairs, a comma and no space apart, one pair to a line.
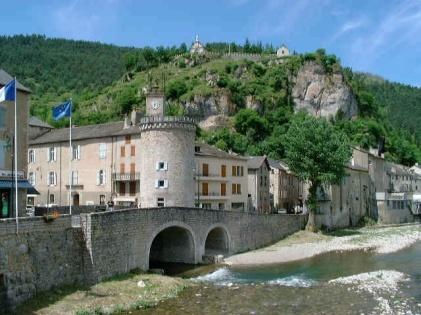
118,294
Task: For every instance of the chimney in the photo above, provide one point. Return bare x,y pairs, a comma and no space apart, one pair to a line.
126,122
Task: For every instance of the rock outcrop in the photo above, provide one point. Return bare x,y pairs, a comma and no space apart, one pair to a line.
323,94
206,106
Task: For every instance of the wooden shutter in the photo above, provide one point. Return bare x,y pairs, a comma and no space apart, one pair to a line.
122,188
234,189
205,169
122,151
132,150
122,168
132,188
223,189
223,170
205,189
132,168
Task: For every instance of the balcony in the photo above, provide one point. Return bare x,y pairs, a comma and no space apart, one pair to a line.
210,196
125,177
10,174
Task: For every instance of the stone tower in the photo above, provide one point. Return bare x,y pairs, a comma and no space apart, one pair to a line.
167,159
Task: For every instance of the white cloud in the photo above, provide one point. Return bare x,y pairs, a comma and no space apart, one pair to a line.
399,28
83,19
349,26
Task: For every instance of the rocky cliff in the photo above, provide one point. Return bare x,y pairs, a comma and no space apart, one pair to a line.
322,94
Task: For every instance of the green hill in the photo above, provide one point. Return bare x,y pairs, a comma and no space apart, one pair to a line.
106,82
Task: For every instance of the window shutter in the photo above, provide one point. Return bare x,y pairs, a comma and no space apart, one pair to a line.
97,178
166,183
34,178
157,166
78,152
55,154
48,179
105,177
48,154
34,155
166,166
156,183
55,178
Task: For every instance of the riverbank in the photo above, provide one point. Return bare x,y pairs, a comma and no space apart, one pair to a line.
123,293
304,244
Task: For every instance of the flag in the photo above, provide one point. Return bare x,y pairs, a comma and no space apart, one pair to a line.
7,92
62,110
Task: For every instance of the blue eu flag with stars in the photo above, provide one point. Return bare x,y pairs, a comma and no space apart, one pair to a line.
62,110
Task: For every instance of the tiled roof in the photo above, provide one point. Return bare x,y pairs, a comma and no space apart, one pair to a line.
208,150
255,162
6,78
85,132
35,121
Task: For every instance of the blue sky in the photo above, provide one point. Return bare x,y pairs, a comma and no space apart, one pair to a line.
378,36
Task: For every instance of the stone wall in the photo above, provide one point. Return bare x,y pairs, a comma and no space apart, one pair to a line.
41,256
120,241
47,255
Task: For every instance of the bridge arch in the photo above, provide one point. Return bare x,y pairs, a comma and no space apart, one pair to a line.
217,240
172,242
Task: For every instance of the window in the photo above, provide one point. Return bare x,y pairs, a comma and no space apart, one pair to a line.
101,178
52,154
76,152
30,201
206,206
122,188
75,178
132,150
234,171
161,166
31,156
102,200
122,168
236,189
223,170
2,117
205,189
102,151
123,151
132,168
161,183
31,178
261,180
205,169
242,171
128,138
52,179
52,198
221,206
266,180
160,202
223,189
132,188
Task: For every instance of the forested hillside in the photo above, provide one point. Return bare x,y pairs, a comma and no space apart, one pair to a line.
106,82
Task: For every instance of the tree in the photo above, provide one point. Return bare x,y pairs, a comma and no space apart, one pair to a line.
317,153
248,122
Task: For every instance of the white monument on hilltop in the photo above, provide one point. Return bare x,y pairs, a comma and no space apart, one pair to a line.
282,51
197,47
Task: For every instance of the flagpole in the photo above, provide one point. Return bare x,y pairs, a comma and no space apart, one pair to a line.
71,156
16,164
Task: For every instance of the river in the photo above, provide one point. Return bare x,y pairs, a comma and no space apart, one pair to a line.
356,282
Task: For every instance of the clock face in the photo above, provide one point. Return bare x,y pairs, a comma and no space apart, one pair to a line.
155,104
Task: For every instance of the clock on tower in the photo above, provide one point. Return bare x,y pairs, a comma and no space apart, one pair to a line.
155,104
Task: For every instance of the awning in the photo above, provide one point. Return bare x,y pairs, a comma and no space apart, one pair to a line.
22,183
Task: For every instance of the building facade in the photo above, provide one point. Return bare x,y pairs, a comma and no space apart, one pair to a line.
286,190
7,135
221,179
258,184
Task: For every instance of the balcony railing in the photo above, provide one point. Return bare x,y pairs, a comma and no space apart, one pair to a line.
211,194
178,119
126,176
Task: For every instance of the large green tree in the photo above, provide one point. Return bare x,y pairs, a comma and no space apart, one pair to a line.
317,153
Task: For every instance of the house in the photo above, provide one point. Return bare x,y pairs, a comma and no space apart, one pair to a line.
286,189
258,184
221,179
7,135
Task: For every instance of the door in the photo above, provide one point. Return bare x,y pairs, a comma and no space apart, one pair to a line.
205,170
4,203
76,199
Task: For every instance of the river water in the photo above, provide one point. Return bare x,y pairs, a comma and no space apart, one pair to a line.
355,282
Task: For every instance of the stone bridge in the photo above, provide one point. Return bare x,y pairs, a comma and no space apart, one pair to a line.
120,241
44,255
